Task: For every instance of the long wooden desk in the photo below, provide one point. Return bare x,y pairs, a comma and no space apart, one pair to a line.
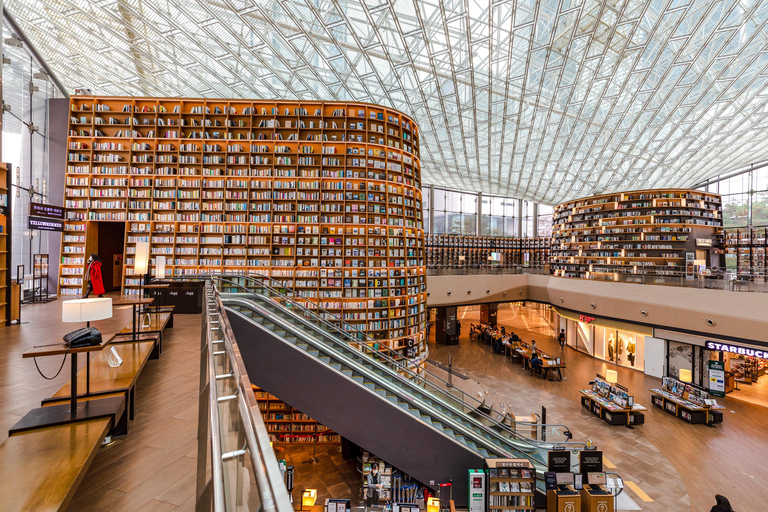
40,470
106,380
610,412
685,409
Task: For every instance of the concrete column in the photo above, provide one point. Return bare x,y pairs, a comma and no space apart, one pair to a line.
535,220
446,330
479,223
488,313
519,218
431,206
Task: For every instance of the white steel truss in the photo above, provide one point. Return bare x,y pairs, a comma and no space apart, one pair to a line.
542,100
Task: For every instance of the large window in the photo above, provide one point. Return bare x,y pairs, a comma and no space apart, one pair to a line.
545,220
745,198
456,212
26,93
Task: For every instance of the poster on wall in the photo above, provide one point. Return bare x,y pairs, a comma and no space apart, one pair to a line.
739,369
716,378
689,265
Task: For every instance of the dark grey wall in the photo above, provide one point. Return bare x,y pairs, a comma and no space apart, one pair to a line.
58,122
360,415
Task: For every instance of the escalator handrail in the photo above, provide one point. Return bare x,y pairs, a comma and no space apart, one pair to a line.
438,415
476,408
516,436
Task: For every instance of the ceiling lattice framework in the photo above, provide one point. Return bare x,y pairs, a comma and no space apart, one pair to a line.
544,100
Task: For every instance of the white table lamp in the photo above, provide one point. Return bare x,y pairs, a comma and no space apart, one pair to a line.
159,267
141,260
685,375
611,376
86,310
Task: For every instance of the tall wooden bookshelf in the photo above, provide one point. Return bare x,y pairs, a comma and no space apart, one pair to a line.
324,197
290,425
5,244
642,231
747,250
446,251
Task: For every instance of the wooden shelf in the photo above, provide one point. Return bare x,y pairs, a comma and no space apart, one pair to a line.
288,410
585,230
232,193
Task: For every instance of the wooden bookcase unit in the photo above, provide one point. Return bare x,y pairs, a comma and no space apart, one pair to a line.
444,251
290,425
324,197
749,248
5,244
511,474
638,232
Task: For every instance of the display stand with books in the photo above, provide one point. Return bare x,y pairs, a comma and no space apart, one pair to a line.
686,402
612,403
385,477
511,485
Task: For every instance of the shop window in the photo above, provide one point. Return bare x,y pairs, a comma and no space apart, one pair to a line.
679,355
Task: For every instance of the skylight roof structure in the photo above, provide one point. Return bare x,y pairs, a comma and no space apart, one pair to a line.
544,100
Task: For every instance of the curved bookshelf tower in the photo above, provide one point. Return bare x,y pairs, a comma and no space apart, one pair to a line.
637,232
324,197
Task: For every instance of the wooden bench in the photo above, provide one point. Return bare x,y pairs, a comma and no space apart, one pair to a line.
107,381
41,469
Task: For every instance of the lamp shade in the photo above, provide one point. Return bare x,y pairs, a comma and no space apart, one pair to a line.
308,497
433,504
685,375
159,267
611,376
462,258
141,261
86,310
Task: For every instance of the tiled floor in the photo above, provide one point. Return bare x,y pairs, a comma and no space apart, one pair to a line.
332,476
680,466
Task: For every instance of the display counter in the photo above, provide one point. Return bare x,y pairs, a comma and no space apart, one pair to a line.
595,498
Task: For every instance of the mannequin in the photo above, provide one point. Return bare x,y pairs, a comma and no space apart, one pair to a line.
621,349
631,351
611,347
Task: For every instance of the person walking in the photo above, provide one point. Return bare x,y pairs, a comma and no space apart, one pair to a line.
561,338
94,282
723,505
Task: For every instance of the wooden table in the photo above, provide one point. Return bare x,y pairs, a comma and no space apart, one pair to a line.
41,470
62,349
135,302
112,407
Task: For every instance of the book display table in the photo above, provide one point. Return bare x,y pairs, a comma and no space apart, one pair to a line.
683,401
610,412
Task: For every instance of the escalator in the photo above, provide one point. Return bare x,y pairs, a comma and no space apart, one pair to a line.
371,398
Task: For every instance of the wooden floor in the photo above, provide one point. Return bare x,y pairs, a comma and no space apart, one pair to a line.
151,469
680,466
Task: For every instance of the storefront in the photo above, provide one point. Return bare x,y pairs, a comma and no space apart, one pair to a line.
743,364
613,341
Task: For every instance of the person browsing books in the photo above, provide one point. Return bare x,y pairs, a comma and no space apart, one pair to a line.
374,486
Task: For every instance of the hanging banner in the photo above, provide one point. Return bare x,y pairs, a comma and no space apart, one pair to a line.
717,378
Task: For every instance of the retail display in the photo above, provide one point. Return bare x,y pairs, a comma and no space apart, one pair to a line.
289,425
747,251
457,251
686,402
324,197
638,232
612,403
511,484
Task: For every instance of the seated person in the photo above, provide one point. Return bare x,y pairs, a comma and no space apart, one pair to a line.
536,363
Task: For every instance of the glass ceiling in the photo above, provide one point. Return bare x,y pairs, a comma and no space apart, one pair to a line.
544,100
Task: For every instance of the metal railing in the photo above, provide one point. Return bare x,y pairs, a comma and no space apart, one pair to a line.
236,467
728,281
